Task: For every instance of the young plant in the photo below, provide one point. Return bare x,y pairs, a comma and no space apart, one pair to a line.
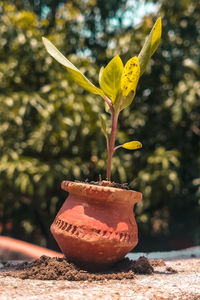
118,85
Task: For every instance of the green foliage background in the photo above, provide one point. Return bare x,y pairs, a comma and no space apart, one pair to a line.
49,127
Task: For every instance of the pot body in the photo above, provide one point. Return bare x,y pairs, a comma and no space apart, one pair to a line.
96,226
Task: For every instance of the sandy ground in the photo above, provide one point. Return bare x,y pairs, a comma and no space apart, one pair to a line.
185,284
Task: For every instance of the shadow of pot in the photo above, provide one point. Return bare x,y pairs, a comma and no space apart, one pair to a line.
96,225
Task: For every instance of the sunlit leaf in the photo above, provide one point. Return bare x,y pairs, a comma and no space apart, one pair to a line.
75,73
157,32
128,84
110,77
150,45
132,145
130,76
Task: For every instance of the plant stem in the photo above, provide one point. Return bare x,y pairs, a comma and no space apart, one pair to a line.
111,146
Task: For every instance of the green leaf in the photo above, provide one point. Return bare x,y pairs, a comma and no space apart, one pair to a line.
130,76
132,145
157,32
111,76
75,73
103,126
150,46
107,108
128,84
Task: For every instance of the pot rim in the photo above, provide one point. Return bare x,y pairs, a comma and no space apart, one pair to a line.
104,193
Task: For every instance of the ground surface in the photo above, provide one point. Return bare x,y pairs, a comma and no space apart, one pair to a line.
162,284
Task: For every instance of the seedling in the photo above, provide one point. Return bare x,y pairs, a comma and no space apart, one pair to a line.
118,85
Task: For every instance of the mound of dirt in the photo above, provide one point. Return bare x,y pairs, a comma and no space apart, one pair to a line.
54,268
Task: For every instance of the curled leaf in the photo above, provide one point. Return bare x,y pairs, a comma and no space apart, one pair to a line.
103,126
132,145
157,32
150,46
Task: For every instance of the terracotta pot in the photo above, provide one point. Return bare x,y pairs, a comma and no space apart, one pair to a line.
96,226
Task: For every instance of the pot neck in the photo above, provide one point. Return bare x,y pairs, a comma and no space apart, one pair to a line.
102,193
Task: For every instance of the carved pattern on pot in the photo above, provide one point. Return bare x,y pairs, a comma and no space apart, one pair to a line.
81,232
96,227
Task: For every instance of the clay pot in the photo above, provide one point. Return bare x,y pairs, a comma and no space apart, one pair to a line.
96,226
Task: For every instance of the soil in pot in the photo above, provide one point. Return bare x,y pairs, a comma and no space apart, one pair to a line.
53,268
123,186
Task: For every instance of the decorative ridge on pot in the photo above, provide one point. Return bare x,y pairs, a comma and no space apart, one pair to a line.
101,192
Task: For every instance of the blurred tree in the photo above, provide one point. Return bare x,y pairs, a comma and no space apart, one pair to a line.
167,120
46,121
49,129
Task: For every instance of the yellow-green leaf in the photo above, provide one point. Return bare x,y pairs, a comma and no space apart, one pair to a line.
128,84
157,32
132,145
150,46
106,107
100,74
130,76
75,73
110,77
103,126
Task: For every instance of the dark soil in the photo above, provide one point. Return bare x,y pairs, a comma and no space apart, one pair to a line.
123,186
53,268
